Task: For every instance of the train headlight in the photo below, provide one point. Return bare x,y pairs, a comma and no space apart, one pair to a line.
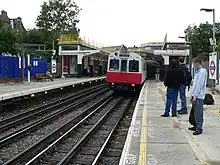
112,83
133,85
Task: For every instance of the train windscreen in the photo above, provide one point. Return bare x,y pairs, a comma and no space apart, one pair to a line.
114,65
133,66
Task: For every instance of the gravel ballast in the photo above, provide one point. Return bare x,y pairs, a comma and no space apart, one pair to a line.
13,149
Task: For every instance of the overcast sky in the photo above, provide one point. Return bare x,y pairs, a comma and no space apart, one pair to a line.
129,22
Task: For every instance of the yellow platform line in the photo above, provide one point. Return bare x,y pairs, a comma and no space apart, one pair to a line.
143,142
213,111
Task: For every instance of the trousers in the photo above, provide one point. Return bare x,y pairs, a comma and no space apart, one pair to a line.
198,114
172,95
182,91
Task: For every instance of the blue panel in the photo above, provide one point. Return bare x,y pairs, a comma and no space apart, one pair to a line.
17,69
9,67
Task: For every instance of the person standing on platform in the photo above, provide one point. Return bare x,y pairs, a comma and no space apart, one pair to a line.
157,75
198,95
182,90
174,78
162,71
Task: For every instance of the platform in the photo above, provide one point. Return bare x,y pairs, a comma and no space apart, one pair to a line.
153,140
24,89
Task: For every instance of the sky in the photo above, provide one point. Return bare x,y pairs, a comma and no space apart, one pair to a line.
128,22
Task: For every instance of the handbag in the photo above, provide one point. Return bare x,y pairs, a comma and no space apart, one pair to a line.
192,117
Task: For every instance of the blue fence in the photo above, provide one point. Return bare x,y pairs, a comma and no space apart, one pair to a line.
10,67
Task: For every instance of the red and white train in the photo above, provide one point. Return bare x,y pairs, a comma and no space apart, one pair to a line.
126,70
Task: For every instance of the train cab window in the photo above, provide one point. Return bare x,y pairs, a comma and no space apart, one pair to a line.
114,64
133,66
123,65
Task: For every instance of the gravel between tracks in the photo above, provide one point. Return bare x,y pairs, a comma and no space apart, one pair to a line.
30,106
32,120
27,105
13,149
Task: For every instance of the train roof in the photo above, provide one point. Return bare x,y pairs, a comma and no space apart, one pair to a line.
125,54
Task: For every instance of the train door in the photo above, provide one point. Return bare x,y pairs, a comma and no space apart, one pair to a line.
123,70
123,65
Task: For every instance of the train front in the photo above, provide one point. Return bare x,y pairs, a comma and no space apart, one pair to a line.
125,71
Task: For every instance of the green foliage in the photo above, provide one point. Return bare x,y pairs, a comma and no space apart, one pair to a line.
58,15
8,40
39,36
199,36
11,41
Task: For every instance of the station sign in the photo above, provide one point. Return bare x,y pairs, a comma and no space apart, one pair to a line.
213,66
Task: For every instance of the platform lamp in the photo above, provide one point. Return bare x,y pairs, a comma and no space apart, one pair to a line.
185,38
213,42
184,43
190,50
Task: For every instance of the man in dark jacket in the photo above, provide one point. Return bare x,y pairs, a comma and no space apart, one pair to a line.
182,90
174,78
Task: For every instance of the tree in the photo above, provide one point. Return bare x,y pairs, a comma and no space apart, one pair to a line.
58,15
39,36
8,40
199,37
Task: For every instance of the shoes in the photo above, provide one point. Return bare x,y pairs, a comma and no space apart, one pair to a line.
192,129
164,115
182,111
197,133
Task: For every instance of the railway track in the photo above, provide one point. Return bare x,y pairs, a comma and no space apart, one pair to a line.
19,122
113,147
47,124
83,142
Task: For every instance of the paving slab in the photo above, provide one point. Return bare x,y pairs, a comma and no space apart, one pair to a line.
153,122
171,154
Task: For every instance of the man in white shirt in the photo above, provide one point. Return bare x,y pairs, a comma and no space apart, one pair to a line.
198,94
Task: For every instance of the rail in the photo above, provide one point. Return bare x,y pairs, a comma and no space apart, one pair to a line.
21,132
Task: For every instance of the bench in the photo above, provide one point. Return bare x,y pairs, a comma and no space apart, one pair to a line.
41,76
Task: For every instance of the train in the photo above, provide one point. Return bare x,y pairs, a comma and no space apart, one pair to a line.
126,70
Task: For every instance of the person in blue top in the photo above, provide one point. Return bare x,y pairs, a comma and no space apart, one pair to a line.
198,95
187,82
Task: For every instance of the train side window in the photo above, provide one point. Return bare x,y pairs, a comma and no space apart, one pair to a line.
114,64
133,66
124,65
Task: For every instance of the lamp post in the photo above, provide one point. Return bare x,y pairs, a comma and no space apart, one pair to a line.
213,31
213,42
190,52
184,43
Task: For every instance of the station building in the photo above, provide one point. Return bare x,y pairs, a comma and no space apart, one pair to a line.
80,58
